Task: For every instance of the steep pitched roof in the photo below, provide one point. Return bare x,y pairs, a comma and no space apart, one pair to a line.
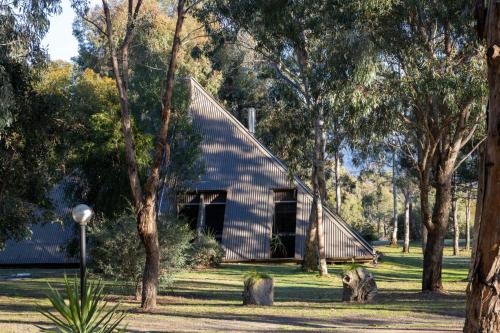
298,182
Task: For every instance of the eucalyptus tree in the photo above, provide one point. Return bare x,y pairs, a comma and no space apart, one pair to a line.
434,69
483,298
119,37
315,49
30,146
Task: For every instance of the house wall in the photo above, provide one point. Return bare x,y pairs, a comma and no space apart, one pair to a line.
237,163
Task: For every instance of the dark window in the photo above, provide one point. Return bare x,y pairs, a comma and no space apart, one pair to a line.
214,204
189,207
189,213
284,217
284,224
214,215
215,207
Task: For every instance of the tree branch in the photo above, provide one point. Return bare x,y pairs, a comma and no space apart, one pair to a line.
86,19
469,154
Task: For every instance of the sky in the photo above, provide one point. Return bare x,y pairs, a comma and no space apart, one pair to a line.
60,42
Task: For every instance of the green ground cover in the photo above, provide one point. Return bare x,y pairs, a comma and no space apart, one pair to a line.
210,300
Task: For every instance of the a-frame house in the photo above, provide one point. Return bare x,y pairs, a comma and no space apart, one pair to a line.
247,199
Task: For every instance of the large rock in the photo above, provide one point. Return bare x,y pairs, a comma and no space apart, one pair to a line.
258,291
359,285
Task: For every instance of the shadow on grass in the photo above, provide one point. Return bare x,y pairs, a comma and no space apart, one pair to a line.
226,321
223,287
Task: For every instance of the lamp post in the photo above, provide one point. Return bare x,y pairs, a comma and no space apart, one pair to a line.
82,214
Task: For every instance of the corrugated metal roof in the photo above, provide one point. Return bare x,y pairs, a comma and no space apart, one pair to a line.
44,245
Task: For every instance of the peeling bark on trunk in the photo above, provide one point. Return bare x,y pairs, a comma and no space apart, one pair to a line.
483,297
406,243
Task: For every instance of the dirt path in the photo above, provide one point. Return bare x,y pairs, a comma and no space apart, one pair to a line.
157,323
238,323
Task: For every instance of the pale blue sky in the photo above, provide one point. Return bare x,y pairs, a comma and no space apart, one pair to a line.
60,42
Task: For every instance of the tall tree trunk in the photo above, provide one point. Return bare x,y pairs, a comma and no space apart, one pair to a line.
144,201
425,210
433,261
310,260
147,227
338,197
406,244
311,256
433,256
319,183
467,220
454,218
394,236
483,297
320,148
149,237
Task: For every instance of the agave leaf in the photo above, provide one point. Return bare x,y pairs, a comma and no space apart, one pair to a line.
100,317
73,305
90,316
95,311
58,302
55,320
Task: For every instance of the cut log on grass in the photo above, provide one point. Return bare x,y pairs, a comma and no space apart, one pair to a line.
359,285
258,289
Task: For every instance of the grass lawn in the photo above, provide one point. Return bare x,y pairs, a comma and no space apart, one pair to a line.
210,300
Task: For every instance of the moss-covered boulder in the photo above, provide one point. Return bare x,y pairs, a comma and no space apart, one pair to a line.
359,285
258,289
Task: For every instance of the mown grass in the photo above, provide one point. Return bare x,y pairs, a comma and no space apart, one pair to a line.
303,301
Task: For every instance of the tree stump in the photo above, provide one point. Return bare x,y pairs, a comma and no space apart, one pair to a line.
258,292
359,286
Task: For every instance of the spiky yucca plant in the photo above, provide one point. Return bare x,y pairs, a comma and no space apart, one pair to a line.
89,317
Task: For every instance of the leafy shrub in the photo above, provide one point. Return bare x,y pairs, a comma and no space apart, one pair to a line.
277,246
205,252
117,252
89,317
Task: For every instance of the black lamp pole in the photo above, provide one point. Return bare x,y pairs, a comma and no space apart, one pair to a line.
83,263
82,214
